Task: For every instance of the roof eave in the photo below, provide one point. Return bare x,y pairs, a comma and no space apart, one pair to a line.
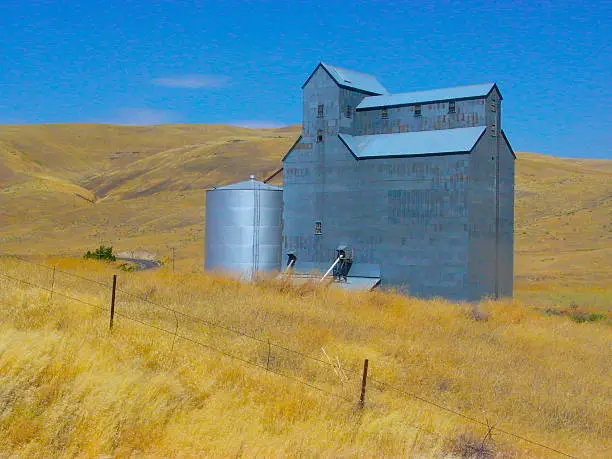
363,91
412,155
498,91
508,143
417,155
352,88
348,147
432,101
313,72
363,109
291,149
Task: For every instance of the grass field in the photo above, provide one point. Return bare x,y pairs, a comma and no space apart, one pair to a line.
537,366
69,386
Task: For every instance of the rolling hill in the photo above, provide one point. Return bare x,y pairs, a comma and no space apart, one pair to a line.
67,188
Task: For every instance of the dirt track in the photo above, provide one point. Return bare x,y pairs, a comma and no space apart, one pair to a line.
142,264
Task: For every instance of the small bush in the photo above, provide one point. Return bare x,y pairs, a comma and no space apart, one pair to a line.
582,317
467,445
101,253
127,267
576,315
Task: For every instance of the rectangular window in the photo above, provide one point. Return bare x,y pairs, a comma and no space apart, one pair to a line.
318,228
417,110
493,105
320,111
319,136
451,106
384,114
348,111
493,131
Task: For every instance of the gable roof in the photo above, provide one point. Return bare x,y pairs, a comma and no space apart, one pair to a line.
351,79
435,95
420,143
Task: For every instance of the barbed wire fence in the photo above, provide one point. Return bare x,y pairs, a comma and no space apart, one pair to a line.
272,357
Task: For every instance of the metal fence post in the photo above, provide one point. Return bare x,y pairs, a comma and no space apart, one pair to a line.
364,381
112,311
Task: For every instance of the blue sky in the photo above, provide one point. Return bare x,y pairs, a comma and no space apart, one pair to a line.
150,62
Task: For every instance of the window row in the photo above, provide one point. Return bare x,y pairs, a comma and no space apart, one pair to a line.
384,113
348,111
418,110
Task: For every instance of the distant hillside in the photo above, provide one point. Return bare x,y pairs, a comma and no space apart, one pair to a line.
65,188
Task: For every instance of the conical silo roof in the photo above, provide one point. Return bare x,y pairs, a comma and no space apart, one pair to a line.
250,185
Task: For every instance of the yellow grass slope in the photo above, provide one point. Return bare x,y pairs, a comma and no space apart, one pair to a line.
68,386
64,188
563,220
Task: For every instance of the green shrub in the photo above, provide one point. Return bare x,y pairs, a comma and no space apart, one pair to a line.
582,317
101,253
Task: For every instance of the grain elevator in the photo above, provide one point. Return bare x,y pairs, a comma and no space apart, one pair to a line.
413,191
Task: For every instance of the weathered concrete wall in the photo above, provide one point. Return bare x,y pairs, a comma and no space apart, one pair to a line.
491,210
350,99
482,211
506,213
321,89
404,217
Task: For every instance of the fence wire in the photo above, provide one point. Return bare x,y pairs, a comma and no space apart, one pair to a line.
382,385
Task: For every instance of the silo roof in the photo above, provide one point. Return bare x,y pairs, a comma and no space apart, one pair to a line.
249,185
351,79
421,97
444,141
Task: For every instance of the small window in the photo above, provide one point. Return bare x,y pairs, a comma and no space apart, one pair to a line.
320,111
384,114
417,110
348,111
319,136
493,105
451,106
318,228
493,131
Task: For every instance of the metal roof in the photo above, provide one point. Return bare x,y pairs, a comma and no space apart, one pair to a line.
460,140
352,79
249,185
407,98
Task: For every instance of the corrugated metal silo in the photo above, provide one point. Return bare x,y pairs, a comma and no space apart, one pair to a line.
243,228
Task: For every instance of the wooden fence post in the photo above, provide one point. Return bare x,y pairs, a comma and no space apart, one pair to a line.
52,285
112,314
364,381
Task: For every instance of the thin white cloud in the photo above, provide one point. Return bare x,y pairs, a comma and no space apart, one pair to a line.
193,81
146,117
257,124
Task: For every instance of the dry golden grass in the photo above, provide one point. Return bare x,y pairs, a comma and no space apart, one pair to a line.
70,387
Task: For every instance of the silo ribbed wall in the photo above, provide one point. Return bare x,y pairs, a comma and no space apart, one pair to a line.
243,228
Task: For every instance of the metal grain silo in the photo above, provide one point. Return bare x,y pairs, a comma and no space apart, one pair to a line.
243,228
